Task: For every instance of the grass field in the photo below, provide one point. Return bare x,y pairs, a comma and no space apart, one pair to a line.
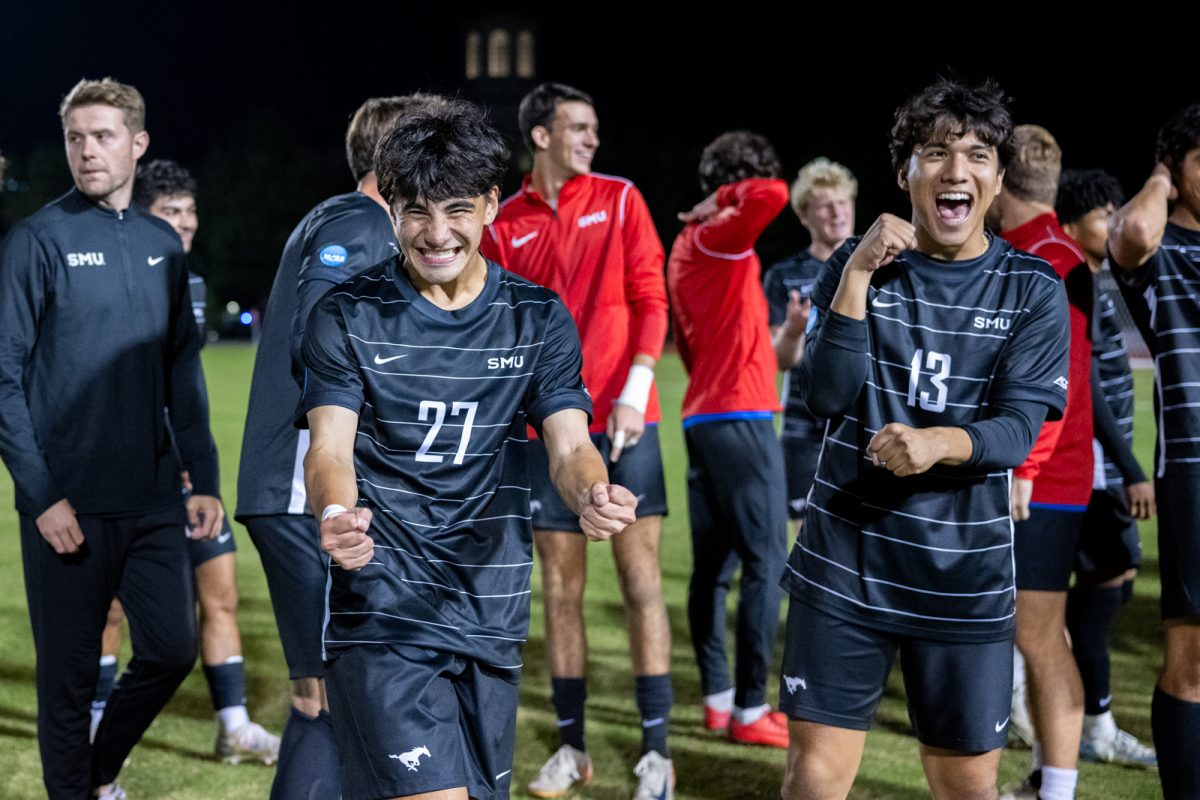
175,759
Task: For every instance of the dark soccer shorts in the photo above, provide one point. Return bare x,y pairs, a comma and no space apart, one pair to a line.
834,673
290,548
800,465
639,470
1045,547
201,550
1108,542
1178,500
408,720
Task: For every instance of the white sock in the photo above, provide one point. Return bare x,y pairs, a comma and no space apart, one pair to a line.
106,660
749,716
721,701
1058,783
232,718
1099,726
1036,763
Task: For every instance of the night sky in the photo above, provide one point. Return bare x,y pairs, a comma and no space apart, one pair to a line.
220,82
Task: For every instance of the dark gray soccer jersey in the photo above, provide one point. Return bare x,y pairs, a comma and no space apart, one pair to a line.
1116,379
1164,297
339,238
443,398
930,554
798,273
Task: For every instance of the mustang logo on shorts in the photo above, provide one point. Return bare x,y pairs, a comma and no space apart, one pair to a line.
412,758
792,683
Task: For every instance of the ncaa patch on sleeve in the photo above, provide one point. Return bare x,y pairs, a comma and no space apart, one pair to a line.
333,255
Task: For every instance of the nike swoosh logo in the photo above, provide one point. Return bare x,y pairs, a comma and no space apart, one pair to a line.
379,360
1000,725
878,304
224,537
502,774
520,241
154,261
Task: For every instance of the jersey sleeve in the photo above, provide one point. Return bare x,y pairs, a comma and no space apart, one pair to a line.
645,284
25,280
557,383
331,376
746,209
777,296
333,252
187,402
1035,362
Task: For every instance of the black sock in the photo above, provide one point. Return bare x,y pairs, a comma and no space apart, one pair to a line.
105,681
1090,613
654,700
569,695
308,761
1176,726
226,684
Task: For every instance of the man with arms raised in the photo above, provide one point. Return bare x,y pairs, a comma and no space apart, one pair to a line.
420,377
939,351
589,237
1154,249
98,337
338,238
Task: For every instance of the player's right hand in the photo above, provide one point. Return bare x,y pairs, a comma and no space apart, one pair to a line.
1141,499
1022,494
798,310
60,527
344,538
887,238
606,509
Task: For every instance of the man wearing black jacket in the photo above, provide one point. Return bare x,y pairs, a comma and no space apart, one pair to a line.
96,338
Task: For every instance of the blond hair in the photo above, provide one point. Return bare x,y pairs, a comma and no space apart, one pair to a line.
107,92
821,173
1035,169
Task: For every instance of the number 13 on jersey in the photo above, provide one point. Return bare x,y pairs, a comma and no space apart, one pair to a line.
938,366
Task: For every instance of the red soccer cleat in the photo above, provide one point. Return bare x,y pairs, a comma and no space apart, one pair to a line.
716,720
770,730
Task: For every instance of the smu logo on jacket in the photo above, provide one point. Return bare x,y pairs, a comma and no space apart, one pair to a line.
85,259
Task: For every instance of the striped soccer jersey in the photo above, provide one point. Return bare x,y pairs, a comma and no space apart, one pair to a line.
931,554
1162,296
443,399
796,274
1116,382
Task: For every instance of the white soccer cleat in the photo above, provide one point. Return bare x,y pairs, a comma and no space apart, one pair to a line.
1019,722
656,778
250,742
114,793
97,715
1122,748
563,770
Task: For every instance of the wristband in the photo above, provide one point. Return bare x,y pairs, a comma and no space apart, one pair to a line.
330,510
636,393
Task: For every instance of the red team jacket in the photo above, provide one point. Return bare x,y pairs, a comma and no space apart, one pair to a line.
1060,464
601,254
720,323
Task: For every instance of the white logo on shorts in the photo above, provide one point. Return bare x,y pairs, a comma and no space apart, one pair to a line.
412,758
793,683
1000,725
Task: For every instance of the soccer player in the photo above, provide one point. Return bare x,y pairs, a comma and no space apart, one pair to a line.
168,191
1154,248
98,337
338,238
421,375
589,238
939,350
1109,549
737,499
823,198
1052,488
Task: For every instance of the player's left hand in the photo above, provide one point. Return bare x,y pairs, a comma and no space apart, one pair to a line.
1141,500
798,310
205,515
625,428
903,450
606,509
705,210
1022,495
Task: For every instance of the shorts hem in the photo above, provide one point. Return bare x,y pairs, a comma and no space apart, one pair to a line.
829,718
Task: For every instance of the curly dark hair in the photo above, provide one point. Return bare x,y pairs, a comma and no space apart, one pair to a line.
735,156
1081,191
1180,134
948,109
440,151
161,178
539,106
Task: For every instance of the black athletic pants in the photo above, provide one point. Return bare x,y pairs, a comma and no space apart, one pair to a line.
142,560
